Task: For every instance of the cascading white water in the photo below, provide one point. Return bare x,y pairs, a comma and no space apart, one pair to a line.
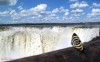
18,42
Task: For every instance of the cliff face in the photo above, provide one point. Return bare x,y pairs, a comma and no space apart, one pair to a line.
91,53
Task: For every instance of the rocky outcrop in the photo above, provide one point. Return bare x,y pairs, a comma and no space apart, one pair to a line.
91,53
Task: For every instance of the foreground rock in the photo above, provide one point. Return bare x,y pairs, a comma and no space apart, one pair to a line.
91,53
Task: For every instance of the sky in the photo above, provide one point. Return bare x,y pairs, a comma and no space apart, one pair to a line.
49,11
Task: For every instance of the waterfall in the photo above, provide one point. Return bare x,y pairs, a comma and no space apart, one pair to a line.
18,42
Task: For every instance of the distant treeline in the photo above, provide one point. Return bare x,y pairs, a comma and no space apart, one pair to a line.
53,24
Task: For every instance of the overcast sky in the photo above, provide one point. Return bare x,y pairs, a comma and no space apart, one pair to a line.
49,11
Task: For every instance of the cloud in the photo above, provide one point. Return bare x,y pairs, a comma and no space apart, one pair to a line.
13,2
14,14
96,5
40,7
55,10
66,13
7,2
4,13
61,10
77,10
93,16
95,10
38,10
20,7
79,5
95,13
73,0
53,16
76,15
